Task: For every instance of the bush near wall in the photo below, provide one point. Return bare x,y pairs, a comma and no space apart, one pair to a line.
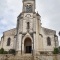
56,51
12,51
2,51
59,49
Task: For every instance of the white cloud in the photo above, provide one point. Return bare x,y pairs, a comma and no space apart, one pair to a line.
4,21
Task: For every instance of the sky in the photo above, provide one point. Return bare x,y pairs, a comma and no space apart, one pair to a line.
49,11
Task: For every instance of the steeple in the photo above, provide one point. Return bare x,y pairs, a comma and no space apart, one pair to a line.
28,6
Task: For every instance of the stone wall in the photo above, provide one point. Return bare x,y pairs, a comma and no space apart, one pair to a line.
47,57
30,57
6,56
8,34
54,40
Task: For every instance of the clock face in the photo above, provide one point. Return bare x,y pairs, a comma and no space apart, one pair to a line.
29,9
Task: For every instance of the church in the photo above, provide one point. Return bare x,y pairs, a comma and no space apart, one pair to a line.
29,36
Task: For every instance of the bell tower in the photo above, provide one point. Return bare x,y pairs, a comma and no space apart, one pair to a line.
28,28
28,6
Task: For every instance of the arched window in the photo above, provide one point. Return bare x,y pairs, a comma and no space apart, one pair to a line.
8,41
48,41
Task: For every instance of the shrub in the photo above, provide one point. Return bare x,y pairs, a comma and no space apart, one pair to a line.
12,51
5,52
59,49
56,51
1,51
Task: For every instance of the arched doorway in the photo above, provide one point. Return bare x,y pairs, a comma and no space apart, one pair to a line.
27,45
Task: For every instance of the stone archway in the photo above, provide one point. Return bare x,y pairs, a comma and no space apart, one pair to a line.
27,45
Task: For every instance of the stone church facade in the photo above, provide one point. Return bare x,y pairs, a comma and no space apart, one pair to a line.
29,36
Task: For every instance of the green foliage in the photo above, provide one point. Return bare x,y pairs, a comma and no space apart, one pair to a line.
59,49
5,52
56,51
2,51
12,51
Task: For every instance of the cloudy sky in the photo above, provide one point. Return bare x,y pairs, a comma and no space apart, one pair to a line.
48,9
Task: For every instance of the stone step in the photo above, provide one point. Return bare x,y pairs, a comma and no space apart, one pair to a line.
22,57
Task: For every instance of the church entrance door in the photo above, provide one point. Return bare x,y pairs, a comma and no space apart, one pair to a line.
27,45
28,49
